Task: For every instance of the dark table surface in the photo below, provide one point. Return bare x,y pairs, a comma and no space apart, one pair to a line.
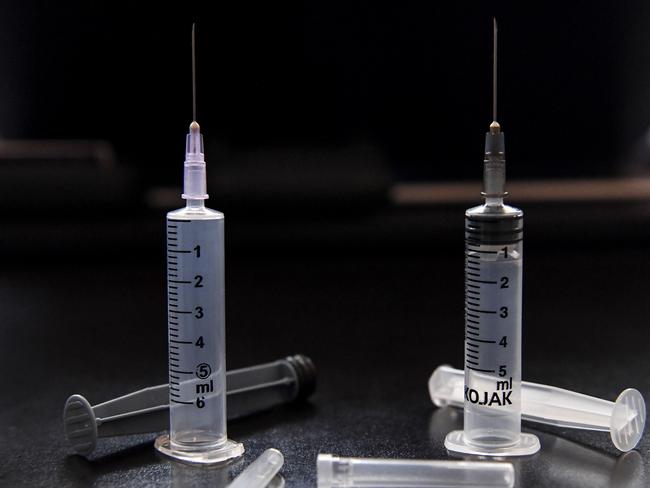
376,323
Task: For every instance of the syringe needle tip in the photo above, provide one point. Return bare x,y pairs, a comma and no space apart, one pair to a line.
494,69
193,71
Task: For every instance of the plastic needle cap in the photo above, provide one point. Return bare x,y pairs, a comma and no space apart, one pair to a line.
261,471
342,472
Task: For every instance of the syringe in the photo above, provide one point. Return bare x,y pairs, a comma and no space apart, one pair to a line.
624,419
493,287
196,319
249,390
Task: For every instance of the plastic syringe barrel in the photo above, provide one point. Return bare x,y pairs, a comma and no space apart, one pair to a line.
624,419
493,325
342,472
249,390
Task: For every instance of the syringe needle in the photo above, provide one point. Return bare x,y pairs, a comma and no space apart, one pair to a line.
193,72
494,69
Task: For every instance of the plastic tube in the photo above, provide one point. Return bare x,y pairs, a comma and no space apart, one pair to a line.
261,471
340,472
249,390
624,419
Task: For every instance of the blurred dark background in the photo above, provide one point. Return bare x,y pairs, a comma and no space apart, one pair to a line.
365,115
412,79
339,110
344,141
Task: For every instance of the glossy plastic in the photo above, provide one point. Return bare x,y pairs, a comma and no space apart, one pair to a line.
341,472
624,418
261,471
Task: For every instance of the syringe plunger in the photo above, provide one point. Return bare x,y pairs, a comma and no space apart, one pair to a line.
624,419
